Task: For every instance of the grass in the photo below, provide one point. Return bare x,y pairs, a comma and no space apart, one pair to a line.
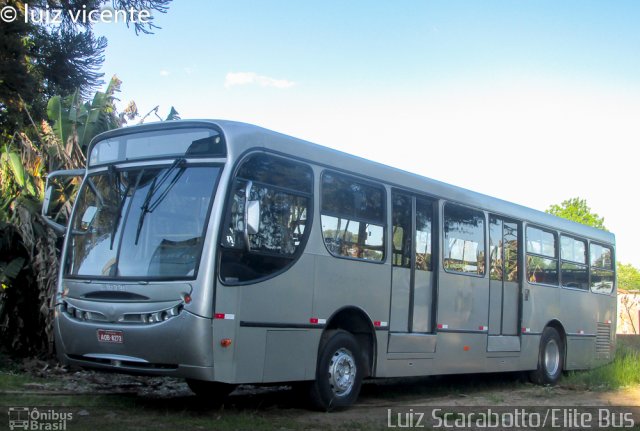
281,410
622,372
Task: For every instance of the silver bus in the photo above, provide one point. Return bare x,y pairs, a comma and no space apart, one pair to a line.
228,254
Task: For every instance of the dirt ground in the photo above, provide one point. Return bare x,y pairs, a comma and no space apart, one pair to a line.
376,399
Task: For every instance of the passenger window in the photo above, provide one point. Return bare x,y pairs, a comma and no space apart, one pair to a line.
267,218
424,214
402,230
573,270
464,240
403,242
602,273
352,217
503,249
542,257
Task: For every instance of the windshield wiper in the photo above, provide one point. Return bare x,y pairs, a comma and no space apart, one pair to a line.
156,184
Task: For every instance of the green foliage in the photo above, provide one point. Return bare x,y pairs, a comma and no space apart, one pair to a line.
41,59
622,372
173,115
77,122
28,248
628,277
577,210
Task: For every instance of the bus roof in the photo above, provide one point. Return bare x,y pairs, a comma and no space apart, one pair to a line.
242,137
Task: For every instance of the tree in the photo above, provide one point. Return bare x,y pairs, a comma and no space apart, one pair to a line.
40,58
628,277
28,248
577,210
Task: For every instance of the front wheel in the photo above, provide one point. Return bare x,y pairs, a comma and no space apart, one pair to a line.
339,372
550,358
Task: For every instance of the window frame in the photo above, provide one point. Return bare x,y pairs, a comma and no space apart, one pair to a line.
584,265
527,253
385,215
444,239
229,192
519,240
413,253
613,269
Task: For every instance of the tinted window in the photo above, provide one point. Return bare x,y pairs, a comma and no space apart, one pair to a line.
345,197
601,257
283,173
542,258
424,214
463,240
403,241
278,191
503,249
573,270
602,274
402,230
573,250
352,217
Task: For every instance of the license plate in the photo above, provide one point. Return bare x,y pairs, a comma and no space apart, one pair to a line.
107,336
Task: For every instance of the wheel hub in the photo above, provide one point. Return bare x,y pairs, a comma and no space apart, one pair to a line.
342,372
552,357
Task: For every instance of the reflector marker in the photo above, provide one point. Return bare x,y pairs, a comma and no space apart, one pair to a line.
526,329
224,316
483,328
581,332
608,322
316,321
443,326
379,324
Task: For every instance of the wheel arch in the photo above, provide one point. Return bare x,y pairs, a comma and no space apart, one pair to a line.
356,321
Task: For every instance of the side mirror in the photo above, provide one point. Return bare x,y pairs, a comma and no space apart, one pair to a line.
60,190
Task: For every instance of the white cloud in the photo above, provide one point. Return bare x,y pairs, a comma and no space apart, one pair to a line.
164,72
251,78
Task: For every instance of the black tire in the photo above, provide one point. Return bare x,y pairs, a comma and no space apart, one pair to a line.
550,358
339,372
214,391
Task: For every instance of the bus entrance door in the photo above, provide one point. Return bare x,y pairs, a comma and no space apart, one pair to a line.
411,322
504,288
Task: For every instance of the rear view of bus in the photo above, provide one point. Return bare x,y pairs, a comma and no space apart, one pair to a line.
133,294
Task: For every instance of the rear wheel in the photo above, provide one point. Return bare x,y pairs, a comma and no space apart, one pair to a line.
339,372
550,358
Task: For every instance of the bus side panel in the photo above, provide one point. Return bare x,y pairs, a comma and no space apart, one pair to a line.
347,282
579,317
540,305
282,302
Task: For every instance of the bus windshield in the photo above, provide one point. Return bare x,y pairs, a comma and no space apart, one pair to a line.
142,223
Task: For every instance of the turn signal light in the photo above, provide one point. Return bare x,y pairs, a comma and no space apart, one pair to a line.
225,342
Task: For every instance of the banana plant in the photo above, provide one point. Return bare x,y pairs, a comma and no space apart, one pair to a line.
76,123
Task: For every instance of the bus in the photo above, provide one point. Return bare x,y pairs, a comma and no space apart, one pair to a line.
226,254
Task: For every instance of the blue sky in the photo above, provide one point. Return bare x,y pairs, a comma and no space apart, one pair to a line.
533,102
